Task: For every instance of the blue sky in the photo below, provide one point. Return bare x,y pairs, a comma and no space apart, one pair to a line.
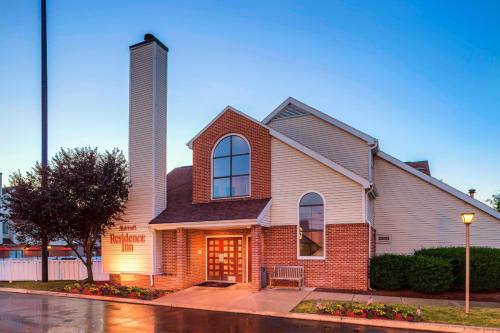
421,76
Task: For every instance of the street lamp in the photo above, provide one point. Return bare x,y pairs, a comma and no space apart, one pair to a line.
467,219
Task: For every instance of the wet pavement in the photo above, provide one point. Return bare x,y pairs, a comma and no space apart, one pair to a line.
36,313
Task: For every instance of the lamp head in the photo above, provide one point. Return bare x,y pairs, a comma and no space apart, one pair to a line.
467,218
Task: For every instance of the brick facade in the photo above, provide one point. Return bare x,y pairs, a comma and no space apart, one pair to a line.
260,152
345,266
346,262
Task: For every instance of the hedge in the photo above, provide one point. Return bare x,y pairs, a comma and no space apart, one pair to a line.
388,271
393,272
484,266
430,275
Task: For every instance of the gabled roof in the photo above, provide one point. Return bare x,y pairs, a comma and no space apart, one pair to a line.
292,143
226,109
292,106
439,184
180,208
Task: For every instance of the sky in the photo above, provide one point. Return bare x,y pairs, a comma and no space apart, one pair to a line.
423,77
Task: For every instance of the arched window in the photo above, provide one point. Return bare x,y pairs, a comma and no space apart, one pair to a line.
231,168
311,226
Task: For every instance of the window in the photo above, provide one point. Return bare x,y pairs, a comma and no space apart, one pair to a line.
231,168
311,226
5,228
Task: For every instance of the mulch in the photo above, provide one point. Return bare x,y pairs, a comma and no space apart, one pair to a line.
451,295
215,284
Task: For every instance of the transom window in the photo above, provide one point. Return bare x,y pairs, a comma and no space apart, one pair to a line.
311,226
231,168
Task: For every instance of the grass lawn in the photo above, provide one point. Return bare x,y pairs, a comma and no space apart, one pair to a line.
488,317
32,285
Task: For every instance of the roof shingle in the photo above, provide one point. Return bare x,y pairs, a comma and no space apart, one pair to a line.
181,209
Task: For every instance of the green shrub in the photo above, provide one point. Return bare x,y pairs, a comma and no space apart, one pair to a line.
388,271
484,266
430,275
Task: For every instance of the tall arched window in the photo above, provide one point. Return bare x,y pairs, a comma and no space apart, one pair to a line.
311,226
231,168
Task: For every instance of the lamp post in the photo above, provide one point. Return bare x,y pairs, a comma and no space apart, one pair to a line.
467,219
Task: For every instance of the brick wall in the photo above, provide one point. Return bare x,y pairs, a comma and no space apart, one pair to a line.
345,266
346,263
260,147
169,254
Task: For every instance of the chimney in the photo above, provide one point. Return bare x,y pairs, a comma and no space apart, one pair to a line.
148,126
147,162
472,192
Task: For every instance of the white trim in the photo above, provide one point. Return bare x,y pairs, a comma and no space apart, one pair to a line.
206,253
262,215
219,224
227,108
299,257
351,130
364,210
153,131
369,242
292,143
249,168
329,163
247,271
439,184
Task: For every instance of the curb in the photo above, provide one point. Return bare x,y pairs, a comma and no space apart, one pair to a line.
301,316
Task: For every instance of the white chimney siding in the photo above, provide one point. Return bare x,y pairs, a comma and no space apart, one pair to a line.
147,161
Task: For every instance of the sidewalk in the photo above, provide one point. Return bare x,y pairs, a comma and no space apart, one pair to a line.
361,298
238,297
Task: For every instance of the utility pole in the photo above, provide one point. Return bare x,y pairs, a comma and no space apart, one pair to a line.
45,242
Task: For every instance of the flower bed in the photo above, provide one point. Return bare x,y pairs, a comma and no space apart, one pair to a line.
370,311
114,290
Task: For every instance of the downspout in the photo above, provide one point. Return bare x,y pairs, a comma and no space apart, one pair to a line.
153,258
373,150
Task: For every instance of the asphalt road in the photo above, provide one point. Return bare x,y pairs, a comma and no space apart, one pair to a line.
35,313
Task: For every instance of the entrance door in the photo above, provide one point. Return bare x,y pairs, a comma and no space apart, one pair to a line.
225,259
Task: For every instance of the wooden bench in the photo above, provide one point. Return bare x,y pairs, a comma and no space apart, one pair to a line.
287,273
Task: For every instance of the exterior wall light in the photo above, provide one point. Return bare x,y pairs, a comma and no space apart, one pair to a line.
467,218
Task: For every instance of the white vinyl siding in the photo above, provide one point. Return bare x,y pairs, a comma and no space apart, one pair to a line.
417,214
328,140
294,174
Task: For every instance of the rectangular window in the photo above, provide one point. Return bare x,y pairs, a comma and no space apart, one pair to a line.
221,167
240,186
222,187
5,228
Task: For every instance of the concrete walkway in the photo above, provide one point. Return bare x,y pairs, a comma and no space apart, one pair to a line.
239,297
345,297
235,297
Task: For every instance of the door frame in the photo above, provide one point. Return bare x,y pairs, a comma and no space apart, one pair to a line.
247,271
206,253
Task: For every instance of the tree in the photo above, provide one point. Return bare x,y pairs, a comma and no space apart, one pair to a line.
30,207
495,201
93,188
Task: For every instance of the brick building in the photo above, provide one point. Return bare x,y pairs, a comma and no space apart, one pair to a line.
299,188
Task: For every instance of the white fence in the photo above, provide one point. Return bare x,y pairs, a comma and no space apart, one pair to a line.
31,270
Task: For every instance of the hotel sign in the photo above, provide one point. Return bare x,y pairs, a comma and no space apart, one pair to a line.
126,239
